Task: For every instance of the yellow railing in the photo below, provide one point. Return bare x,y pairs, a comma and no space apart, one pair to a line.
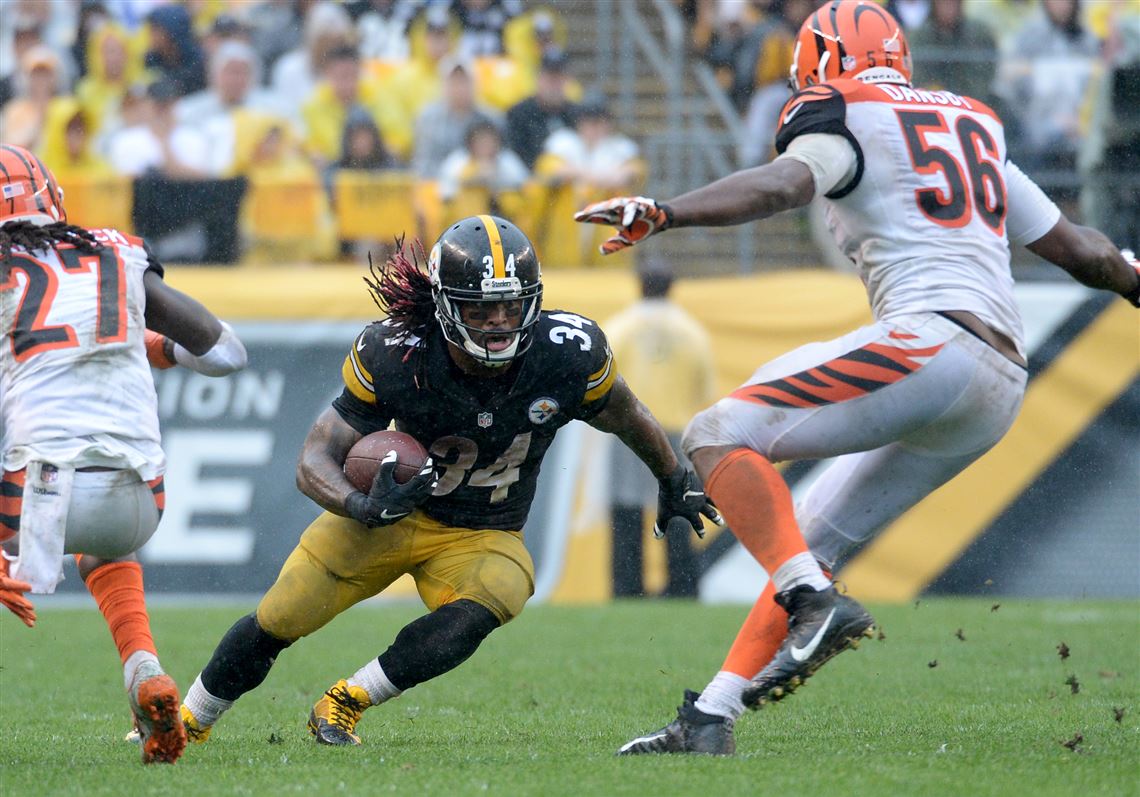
294,219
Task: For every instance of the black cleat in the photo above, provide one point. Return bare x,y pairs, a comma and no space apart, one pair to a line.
820,626
693,731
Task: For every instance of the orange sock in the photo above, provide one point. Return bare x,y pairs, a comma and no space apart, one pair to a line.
757,506
118,589
759,638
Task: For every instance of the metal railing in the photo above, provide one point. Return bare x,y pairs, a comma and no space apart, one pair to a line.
690,151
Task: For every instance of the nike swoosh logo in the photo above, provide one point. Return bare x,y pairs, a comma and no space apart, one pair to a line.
386,515
804,653
788,116
692,494
640,740
360,345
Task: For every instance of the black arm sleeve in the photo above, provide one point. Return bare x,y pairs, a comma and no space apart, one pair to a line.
819,109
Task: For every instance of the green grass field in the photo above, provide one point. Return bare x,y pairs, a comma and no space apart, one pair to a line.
542,707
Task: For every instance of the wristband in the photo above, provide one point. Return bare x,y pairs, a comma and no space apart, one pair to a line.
668,211
156,350
353,505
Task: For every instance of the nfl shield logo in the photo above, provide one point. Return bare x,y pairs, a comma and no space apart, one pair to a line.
484,420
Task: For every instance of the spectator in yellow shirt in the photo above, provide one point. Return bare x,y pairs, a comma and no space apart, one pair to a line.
483,170
114,64
667,359
67,143
341,91
418,82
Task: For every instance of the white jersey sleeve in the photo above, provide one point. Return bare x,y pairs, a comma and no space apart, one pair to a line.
1031,214
830,158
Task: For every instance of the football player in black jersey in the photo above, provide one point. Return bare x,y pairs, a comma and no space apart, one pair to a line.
469,364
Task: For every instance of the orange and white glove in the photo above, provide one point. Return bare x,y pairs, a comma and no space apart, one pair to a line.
156,351
636,218
12,596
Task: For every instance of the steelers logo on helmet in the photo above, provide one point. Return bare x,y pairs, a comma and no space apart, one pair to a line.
478,264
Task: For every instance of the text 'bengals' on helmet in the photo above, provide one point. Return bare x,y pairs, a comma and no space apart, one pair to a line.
485,259
28,189
846,38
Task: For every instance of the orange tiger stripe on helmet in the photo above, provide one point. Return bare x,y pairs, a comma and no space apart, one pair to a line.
28,189
846,37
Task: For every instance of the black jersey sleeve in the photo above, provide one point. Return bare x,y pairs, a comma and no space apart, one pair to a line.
818,109
358,404
598,370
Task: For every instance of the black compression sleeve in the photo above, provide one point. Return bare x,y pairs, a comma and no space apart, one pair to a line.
242,659
436,643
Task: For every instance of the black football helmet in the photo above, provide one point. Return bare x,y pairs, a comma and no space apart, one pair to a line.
485,259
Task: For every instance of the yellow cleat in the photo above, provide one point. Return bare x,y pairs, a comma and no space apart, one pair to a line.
195,732
334,717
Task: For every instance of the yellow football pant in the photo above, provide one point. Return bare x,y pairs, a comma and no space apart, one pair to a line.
340,562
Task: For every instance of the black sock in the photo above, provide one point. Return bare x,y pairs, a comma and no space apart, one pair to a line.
437,642
683,575
627,536
242,659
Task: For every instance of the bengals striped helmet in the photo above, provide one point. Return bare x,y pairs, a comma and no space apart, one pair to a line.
28,190
846,37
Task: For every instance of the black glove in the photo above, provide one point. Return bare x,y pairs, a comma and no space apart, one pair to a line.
680,502
388,502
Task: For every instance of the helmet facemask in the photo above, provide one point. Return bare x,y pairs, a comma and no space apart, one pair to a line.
449,304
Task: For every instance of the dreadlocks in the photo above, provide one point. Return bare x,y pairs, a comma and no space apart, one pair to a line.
401,289
32,237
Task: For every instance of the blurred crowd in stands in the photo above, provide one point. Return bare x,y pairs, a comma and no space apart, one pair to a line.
339,119
1064,75
327,127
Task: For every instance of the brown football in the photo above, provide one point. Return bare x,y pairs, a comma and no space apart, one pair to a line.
364,458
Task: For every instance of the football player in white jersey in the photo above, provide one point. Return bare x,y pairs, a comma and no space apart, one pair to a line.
82,466
920,195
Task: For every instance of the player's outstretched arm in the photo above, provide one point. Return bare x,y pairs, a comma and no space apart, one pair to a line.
747,195
197,338
633,423
1090,258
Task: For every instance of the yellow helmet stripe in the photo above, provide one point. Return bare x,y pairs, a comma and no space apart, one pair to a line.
496,242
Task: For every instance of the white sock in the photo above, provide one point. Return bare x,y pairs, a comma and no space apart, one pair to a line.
800,569
205,707
134,661
371,679
722,695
